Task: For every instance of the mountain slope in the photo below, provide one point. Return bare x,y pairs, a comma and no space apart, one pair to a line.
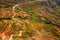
31,21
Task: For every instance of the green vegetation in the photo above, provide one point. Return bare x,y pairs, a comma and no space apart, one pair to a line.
2,5
58,11
22,18
7,6
0,38
16,37
15,27
17,10
52,14
50,28
47,21
28,27
3,24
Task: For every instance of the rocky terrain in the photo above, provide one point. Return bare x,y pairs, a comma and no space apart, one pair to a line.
33,20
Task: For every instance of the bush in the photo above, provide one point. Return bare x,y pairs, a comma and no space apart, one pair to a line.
47,21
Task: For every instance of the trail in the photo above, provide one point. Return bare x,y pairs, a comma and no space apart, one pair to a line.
20,5
15,19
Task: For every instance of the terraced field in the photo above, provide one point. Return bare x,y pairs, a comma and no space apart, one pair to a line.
31,21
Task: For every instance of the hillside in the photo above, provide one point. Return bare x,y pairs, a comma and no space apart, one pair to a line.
36,20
